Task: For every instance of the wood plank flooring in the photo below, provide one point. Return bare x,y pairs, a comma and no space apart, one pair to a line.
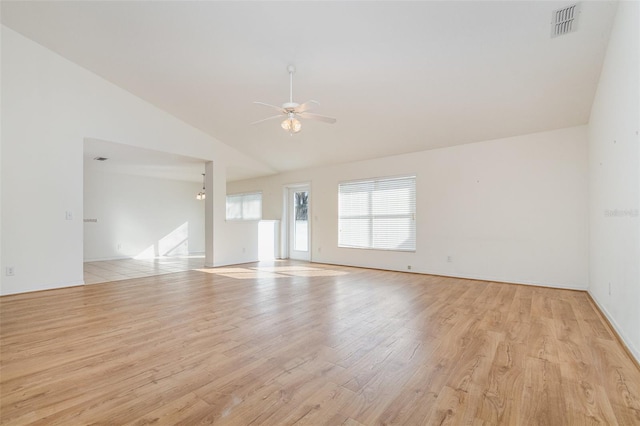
296,343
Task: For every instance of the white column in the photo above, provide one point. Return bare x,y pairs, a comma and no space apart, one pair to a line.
208,214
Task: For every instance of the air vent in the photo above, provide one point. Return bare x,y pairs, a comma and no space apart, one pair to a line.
100,158
565,20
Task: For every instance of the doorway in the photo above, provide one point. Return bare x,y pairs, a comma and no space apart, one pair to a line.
299,223
127,234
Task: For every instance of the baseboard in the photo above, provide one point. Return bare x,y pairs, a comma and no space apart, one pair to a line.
633,352
103,259
506,281
467,277
49,287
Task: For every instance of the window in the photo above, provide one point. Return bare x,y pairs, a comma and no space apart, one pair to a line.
378,214
244,206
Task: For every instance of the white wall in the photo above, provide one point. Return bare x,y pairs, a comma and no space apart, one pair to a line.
614,171
140,216
508,210
50,105
2,264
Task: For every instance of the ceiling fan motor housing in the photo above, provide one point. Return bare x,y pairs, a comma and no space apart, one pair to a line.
290,106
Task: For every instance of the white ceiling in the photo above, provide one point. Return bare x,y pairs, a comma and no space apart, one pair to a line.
126,159
399,76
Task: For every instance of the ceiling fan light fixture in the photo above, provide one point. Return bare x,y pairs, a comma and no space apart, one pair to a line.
291,125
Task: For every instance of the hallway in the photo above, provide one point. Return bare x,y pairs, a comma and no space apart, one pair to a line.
123,269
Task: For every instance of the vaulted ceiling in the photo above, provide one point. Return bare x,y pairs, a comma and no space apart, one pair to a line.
399,77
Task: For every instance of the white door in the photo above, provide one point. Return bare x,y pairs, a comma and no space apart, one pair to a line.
299,211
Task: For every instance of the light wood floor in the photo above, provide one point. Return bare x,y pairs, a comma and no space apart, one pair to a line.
297,343
122,269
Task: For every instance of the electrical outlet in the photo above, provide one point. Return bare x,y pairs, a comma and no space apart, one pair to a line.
449,259
609,289
409,267
68,215
244,250
10,271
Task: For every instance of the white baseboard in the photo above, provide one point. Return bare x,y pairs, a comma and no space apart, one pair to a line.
45,287
510,281
621,334
101,259
505,280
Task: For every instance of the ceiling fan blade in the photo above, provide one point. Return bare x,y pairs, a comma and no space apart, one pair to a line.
271,106
307,106
268,118
317,117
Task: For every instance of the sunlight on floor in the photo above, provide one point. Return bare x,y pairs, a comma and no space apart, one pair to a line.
123,269
272,272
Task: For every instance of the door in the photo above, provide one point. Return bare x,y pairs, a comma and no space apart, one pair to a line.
299,224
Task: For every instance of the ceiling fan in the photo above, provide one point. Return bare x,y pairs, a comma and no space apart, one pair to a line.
292,111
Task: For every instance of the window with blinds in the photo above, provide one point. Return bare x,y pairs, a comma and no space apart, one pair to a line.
244,206
378,214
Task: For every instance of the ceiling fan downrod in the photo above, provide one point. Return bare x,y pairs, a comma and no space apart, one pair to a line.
291,70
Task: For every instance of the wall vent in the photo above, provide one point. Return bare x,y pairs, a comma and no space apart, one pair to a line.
565,20
100,158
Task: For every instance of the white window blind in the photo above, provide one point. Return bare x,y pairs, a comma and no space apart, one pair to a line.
244,206
378,214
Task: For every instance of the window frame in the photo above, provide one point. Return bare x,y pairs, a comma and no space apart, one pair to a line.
242,212
371,217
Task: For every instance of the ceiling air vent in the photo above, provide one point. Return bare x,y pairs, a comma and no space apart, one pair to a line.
565,20
100,158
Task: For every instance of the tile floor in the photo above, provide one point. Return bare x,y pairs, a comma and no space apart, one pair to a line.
123,269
